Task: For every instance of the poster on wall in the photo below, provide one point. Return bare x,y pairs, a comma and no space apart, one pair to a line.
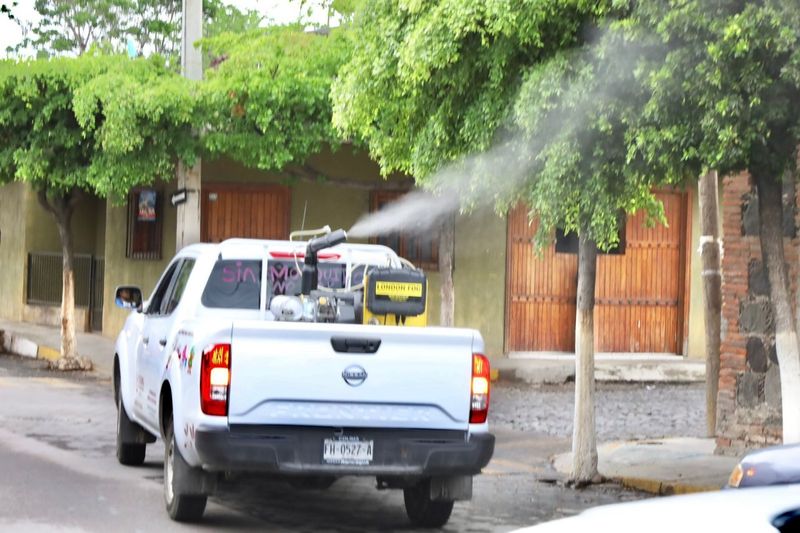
147,205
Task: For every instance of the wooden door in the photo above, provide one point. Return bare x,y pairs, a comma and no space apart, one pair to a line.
640,304
251,211
541,291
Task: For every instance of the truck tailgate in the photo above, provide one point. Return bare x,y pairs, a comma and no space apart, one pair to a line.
290,374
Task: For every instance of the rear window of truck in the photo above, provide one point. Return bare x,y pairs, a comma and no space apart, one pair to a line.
234,284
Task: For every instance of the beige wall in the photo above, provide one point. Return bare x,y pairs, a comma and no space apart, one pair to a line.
13,257
120,270
695,348
480,277
42,232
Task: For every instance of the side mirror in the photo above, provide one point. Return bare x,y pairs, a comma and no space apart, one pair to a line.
128,298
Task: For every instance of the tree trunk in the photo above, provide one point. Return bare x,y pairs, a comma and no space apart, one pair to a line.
446,252
62,207
786,343
68,341
712,292
584,441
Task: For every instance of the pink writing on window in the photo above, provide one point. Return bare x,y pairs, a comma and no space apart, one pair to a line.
239,274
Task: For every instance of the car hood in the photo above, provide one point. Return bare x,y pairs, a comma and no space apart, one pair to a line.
750,511
779,464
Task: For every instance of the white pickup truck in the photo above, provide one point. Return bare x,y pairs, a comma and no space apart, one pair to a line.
266,356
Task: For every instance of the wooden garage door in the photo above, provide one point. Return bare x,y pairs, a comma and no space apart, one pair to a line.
639,294
259,212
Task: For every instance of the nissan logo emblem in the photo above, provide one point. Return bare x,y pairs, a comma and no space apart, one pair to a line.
354,375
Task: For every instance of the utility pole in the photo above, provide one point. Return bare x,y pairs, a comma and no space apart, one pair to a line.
712,291
188,213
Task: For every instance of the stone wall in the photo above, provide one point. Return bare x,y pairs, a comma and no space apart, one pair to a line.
749,401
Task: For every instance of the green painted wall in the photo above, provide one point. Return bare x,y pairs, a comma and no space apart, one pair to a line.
123,271
13,257
480,277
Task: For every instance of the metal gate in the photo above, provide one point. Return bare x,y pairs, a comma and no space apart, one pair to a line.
98,287
45,282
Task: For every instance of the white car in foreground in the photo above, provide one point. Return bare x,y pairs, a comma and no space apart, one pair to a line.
769,509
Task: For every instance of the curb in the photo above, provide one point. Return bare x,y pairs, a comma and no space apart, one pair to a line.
556,374
14,344
663,488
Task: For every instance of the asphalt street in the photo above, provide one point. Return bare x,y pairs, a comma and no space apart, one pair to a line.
60,474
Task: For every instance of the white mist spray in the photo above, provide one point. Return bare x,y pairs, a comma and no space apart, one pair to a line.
497,176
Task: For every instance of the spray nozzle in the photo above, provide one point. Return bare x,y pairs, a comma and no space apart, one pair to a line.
310,278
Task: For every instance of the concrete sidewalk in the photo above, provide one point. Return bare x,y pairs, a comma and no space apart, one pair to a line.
43,342
556,368
660,466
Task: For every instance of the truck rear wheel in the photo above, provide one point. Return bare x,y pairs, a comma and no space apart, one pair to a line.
130,454
422,510
181,507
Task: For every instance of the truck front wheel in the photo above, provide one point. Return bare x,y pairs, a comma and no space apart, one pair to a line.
128,453
181,507
422,510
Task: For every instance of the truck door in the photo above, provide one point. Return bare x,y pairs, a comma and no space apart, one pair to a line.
152,332
161,330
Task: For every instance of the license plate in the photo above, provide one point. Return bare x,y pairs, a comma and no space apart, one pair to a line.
344,451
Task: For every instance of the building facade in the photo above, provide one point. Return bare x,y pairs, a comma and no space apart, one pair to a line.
649,291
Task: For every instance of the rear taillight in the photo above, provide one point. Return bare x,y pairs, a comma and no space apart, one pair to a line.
215,379
479,391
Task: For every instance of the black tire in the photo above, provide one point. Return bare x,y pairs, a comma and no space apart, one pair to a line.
421,510
181,507
129,454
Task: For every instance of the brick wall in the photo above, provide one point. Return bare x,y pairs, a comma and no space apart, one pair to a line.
748,407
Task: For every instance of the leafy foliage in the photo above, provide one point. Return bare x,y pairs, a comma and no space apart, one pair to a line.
581,123
221,18
152,26
97,123
431,83
724,93
268,103
73,27
577,110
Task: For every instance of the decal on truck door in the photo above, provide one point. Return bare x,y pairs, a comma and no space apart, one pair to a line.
185,355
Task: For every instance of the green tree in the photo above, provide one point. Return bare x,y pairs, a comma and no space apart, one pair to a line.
221,18
723,96
267,102
90,125
431,83
72,27
152,26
